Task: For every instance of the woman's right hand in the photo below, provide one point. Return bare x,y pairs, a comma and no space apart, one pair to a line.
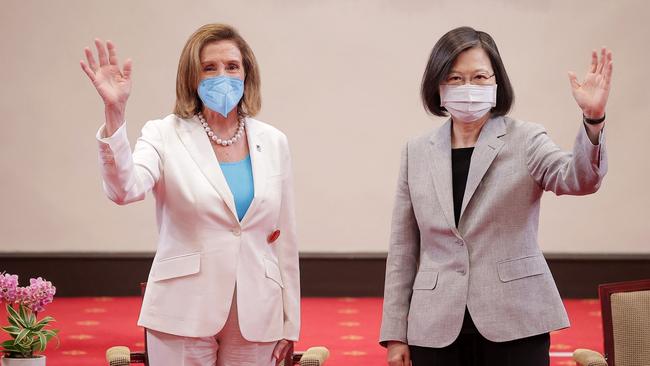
112,84
398,354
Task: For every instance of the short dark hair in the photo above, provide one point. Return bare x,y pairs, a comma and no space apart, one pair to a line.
444,54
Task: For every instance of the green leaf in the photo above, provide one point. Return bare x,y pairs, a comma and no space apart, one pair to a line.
30,319
26,343
11,348
40,344
13,322
23,314
41,324
49,333
27,315
21,336
37,328
7,343
46,320
12,330
19,349
13,314
43,341
11,310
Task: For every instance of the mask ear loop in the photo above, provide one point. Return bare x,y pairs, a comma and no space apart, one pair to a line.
241,115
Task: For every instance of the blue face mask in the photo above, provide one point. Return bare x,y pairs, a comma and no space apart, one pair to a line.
221,93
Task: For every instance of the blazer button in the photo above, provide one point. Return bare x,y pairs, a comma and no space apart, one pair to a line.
236,231
460,242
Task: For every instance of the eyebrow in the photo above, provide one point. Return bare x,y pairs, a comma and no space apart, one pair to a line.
233,60
475,71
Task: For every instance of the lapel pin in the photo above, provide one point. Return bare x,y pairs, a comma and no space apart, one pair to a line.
273,236
259,148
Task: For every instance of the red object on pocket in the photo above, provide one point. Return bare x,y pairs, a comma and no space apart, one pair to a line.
273,236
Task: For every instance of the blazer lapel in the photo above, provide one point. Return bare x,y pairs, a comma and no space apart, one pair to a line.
259,153
440,163
199,147
487,147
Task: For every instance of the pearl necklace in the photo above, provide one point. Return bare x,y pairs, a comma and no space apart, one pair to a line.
213,137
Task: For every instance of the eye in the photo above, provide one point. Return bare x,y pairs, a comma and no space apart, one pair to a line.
453,78
208,68
233,67
483,77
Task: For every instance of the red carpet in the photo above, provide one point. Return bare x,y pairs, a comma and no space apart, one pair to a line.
349,327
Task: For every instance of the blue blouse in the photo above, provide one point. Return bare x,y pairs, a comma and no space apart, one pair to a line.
239,175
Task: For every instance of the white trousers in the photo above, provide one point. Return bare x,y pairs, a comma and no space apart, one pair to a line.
226,348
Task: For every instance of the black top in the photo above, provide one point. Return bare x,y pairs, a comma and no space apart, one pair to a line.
460,159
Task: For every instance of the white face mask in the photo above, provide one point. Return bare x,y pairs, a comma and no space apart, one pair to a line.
468,103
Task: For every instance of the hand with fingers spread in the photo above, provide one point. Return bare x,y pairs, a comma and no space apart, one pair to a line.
281,349
212,125
591,95
112,83
465,79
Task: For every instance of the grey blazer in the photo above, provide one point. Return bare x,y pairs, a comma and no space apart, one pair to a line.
492,262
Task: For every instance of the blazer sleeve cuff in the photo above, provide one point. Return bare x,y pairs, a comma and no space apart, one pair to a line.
384,342
115,149
597,154
290,335
392,329
118,139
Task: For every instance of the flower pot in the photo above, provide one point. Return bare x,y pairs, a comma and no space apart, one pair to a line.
36,361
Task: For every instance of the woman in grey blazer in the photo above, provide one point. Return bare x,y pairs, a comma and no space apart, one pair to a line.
466,281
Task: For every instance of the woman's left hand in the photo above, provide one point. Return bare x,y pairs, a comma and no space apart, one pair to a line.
280,350
592,94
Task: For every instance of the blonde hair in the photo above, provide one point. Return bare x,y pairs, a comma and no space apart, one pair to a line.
188,102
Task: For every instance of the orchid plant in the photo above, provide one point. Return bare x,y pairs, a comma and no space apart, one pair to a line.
28,334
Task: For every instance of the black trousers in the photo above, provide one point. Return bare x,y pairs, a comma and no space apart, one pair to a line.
472,349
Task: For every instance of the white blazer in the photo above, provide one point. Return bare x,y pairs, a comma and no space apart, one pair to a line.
203,249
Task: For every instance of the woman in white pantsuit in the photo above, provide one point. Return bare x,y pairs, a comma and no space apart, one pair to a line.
224,285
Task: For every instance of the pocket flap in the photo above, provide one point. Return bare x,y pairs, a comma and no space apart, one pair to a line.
425,280
178,266
273,272
513,269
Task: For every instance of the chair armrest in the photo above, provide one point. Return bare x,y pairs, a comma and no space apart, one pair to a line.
314,356
139,357
118,355
585,357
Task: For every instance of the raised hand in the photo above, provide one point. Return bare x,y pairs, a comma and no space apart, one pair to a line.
112,84
591,95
